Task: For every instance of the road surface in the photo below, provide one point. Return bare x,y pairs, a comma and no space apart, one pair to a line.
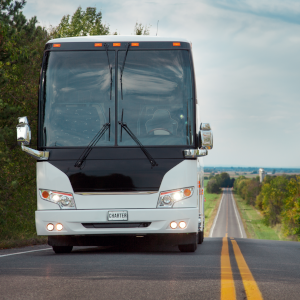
228,221
221,268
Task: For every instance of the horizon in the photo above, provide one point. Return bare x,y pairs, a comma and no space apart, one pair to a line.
219,166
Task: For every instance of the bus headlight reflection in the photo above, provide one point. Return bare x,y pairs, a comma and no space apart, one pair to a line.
64,200
167,199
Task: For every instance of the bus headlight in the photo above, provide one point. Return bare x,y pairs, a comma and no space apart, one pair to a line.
63,200
168,198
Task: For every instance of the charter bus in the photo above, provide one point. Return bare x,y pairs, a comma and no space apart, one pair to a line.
120,144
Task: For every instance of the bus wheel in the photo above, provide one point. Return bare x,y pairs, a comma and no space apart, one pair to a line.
189,247
200,237
62,249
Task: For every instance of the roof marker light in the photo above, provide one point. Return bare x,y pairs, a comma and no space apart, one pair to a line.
135,44
176,44
98,44
116,44
56,45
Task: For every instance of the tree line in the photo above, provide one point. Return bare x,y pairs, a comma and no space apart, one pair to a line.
277,197
22,44
218,181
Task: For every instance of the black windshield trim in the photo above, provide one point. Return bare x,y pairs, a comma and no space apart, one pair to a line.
66,46
131,146
116,50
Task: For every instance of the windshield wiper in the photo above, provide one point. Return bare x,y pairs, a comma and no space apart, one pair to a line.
132,135
122,69
93,143
110,68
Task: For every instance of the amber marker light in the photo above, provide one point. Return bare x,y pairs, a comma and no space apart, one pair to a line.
56,45
59,227
116,44
45,194
173,225
50,227
187,192
176,44
98,44
135,44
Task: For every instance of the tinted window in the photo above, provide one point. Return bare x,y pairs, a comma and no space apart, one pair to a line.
78,98
155,96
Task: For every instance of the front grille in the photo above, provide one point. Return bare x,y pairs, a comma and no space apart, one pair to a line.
116,225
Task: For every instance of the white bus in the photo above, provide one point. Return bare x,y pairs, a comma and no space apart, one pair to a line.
120,146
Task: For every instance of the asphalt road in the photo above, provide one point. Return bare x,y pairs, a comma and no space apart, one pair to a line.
228,221
144,272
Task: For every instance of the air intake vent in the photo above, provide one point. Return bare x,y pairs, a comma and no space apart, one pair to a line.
116,225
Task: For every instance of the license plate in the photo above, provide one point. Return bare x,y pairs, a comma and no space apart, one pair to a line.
117,215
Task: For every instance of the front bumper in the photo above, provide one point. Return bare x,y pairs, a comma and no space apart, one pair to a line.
73,220
123,240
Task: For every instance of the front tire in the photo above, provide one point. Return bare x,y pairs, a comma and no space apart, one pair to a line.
189,247
200,237
62,249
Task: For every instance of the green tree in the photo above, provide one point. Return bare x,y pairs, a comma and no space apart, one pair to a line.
140,29
224,180
82,23
272,199
213,186
13,28
21,48
252,190
291,209
239,183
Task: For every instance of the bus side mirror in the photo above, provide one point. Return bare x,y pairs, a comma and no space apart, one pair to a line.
24,137
204,143
23,131
206,136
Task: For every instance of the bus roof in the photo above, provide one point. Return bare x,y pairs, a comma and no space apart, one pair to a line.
118,38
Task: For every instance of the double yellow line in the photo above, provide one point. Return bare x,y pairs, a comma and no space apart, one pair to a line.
227,282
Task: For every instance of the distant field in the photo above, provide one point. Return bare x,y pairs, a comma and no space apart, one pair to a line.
234,174
237,174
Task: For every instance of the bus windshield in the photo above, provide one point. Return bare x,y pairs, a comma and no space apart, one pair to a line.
155,97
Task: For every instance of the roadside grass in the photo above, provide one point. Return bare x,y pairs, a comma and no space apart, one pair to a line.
211,205
253,222
17,220
22,242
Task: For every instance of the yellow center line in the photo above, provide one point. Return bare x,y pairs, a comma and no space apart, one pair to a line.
226,214
251,288
227,283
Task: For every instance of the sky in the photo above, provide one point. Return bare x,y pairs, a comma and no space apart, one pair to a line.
247,63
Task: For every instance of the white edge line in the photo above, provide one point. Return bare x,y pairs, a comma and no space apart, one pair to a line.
234,206
25,252
216,218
